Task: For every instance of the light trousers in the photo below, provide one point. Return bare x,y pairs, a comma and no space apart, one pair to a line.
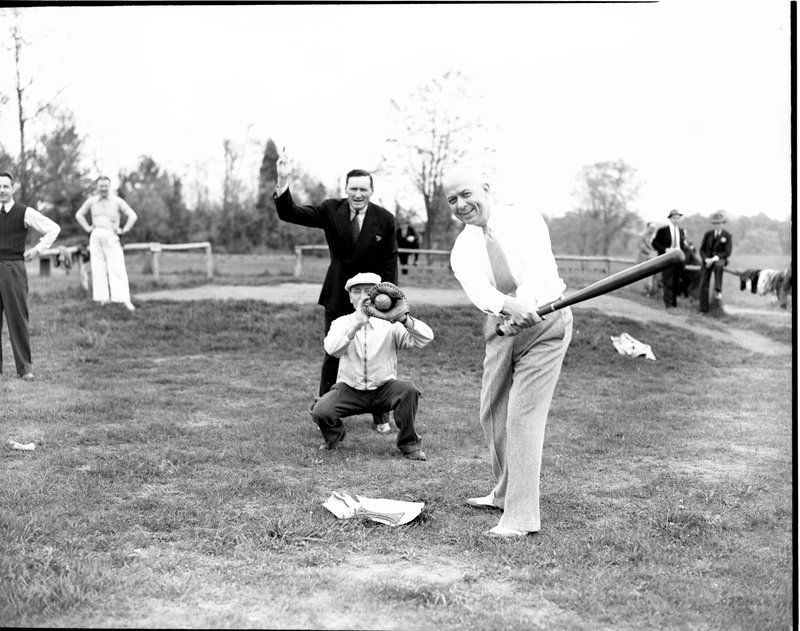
109,278
519,377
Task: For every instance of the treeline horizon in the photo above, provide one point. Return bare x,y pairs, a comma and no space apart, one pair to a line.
244,219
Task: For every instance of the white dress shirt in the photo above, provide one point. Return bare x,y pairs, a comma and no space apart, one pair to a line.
370,359
48,228
525,239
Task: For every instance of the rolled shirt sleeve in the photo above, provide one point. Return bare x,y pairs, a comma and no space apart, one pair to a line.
48,228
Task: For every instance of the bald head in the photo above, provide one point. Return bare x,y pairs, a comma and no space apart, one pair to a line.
467,194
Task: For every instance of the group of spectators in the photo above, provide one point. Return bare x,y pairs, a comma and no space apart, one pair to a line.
715,251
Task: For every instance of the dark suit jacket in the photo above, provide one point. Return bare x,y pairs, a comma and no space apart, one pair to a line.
375,251
721,247
663,239
404,241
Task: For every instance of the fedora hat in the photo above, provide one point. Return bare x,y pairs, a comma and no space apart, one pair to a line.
674,213
719,217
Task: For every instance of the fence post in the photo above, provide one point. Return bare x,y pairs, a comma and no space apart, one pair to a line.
209,262
298,261
155,249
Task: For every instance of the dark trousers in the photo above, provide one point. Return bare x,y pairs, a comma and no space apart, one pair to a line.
670,281
342,400
330,368
14,303
705,277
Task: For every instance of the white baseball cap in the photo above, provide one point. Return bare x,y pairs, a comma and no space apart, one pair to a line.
364,278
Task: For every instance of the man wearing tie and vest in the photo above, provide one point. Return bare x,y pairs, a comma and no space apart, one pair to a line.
360,237
671,237
15,221
715,251
505,264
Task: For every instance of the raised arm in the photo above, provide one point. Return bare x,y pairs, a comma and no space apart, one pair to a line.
310,216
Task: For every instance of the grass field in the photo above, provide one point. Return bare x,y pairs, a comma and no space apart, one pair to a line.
176,481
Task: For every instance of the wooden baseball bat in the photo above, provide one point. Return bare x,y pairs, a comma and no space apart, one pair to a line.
604,286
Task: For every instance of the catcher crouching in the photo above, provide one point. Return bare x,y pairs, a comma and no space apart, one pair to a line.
366,343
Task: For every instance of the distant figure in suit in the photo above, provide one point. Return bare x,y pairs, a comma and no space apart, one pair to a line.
407,238
646,252
715,250
667,238
361,237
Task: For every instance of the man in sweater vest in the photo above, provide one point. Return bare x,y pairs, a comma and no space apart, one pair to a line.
15,219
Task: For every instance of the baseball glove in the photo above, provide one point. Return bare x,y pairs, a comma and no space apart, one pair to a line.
398,307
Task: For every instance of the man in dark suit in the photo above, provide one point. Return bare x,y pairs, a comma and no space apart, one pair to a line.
671,237
407,238
715,250
361,238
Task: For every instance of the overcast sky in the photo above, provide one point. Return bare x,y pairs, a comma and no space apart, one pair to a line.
694,95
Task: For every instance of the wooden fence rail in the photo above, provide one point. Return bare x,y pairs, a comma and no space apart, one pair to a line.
155,250
602,264
49,256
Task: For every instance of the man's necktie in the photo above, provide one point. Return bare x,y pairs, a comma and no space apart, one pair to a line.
504,280
355,228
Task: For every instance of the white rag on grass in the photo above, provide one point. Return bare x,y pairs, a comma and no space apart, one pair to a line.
626,345
389,512
13,444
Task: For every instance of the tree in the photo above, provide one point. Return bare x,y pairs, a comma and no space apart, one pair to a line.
24,117
157,198
306,189
265,205
59,183
436,125
603,217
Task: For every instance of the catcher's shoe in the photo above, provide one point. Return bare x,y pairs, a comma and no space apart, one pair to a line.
332,444
383,428
417,454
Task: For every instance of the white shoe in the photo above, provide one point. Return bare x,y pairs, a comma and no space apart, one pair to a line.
383,428
500,531
129,306
482,502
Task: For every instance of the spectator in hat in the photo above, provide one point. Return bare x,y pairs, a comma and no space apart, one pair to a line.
367,382
715,250
667,238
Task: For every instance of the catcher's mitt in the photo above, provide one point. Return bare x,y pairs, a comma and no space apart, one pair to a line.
397,306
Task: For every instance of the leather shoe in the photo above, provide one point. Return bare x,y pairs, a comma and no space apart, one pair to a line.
383,428
335,442
482,502
505,533
28,376
416,455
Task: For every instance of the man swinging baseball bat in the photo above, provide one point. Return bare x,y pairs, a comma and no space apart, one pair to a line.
505,264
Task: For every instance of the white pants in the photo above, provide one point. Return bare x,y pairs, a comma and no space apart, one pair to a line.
109,278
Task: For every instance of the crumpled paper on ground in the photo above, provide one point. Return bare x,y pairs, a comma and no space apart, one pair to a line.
13,444
626,345
389,512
